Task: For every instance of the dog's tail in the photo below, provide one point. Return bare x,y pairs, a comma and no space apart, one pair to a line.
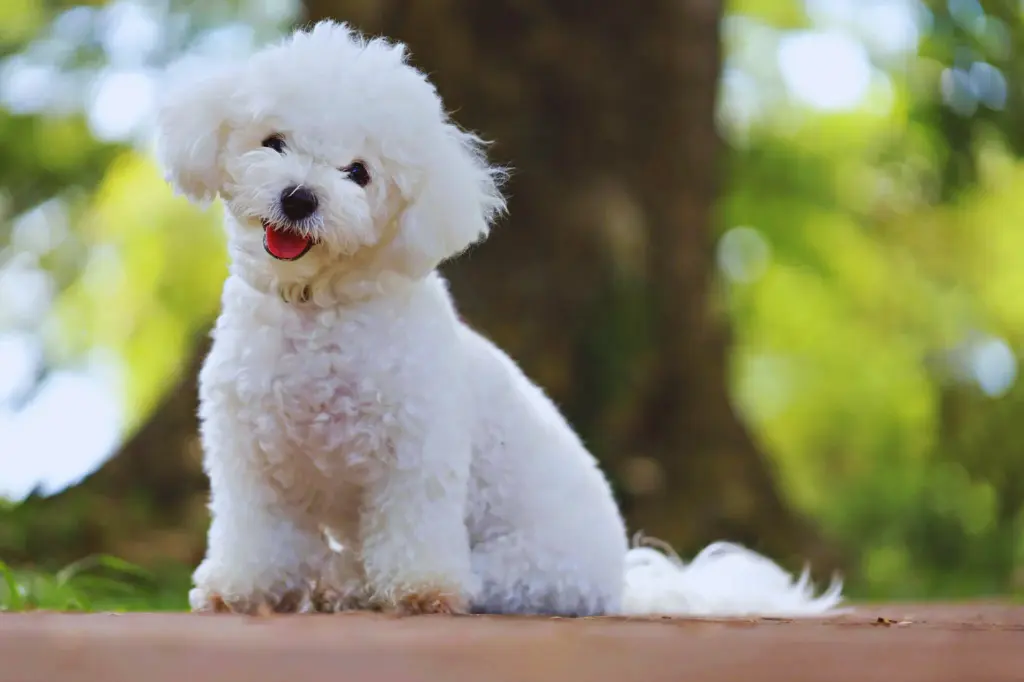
724,580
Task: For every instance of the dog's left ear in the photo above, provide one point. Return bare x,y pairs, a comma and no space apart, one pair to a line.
454,205
190,128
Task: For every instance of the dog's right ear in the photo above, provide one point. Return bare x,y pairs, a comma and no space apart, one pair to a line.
191,124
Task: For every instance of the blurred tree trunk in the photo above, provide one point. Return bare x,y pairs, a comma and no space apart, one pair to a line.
600,283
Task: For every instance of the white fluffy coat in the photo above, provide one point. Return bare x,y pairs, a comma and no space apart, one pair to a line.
365,448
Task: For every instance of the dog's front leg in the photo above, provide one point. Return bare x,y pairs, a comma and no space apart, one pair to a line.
414,537
263,553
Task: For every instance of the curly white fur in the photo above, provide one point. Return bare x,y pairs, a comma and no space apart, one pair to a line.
358,436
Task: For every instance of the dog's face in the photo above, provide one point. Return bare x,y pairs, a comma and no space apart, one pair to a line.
332,155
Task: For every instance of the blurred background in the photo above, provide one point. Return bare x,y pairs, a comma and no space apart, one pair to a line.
767,255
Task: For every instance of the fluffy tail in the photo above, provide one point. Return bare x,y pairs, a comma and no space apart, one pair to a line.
725,579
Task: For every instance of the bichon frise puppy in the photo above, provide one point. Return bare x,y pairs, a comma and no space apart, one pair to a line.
365,448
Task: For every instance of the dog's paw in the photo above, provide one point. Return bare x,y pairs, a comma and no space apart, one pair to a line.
201,601
431,602
295,600
422,602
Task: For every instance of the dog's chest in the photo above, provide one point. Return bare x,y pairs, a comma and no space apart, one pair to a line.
312,398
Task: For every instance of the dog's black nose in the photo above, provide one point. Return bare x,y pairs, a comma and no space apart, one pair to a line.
297,203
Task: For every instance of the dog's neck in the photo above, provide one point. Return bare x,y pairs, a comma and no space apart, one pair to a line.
330,289
340,289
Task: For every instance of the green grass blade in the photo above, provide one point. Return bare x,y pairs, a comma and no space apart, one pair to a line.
15,600
89,563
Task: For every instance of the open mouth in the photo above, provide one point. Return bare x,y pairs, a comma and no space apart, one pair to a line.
283,243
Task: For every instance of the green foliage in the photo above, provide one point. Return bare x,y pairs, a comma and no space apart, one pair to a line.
851,340
788,14
157,290
98,583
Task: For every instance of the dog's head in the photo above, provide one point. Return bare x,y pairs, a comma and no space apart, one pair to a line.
332,155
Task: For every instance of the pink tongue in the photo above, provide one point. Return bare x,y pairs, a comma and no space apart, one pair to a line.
285,244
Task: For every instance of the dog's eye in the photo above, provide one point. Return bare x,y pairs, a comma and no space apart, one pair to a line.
275,142
357,173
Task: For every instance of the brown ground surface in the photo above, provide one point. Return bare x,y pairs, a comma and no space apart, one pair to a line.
890,643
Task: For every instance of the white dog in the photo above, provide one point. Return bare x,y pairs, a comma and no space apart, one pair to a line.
365,448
